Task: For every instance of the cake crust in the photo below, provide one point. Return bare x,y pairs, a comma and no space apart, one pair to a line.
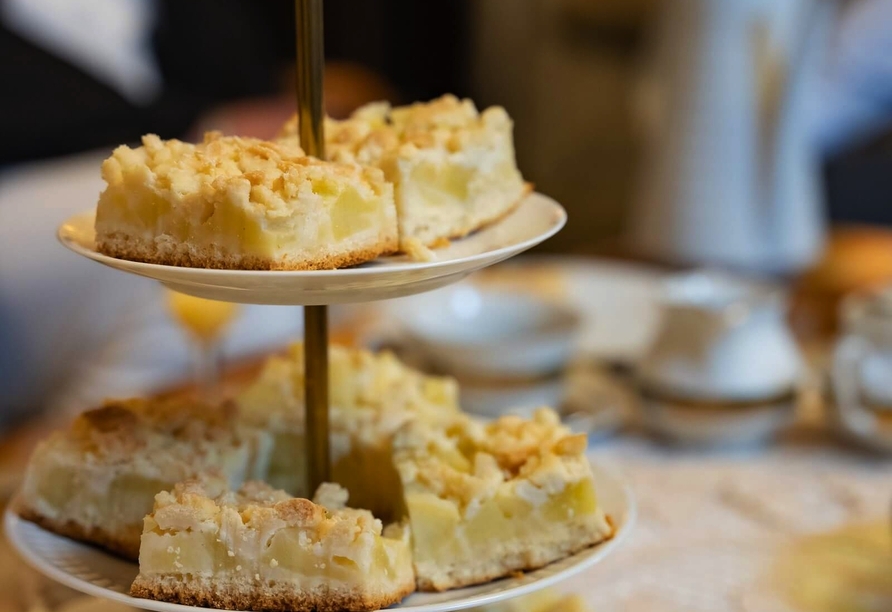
124,546
245,595
519,560
121,246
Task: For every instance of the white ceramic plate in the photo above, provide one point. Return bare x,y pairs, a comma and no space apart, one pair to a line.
617,300
96,573
537,218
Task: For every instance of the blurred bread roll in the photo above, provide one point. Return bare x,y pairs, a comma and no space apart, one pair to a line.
855,258
545,280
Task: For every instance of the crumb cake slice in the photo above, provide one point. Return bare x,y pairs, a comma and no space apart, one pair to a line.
371,396
453,168
261,549
97,481
243,203
485,500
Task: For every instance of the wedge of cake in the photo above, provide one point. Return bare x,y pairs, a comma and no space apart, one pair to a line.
261,549
485,500
453,168
371,396
234,202
97,481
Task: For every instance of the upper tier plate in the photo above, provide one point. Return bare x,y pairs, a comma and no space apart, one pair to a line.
94,572
537,218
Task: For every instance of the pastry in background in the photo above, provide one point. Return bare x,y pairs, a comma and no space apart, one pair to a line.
856,258
542,279
845,569
96,481
487,500
452,167
261,549
241,203
371,396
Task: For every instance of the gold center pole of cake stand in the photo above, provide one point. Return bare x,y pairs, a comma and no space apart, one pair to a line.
310,66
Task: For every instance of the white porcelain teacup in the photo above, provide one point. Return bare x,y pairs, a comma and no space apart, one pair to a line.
721,338
862,361
723,344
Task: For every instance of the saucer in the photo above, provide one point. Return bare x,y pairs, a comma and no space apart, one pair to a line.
588,399
714,423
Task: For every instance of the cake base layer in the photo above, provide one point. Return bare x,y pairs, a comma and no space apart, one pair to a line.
167,251
121,544
504,557
433,234
269,597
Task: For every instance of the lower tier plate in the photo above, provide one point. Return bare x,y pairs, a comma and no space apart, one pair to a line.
94,572
535,219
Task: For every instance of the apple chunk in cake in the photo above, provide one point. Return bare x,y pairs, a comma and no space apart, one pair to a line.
97,481
261,549
234,202
485,500
453,168
371,395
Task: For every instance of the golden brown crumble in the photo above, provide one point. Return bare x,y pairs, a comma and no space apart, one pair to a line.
446,123
370,393
194,502
468,461
262,173
121,427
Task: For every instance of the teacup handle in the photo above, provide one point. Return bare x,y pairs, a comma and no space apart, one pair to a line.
847,358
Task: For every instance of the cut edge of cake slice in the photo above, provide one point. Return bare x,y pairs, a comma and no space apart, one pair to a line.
453,167
485,500
371,396
260,548
96,481
241,203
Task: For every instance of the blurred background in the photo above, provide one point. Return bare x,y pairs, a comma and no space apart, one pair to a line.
594,85
750,137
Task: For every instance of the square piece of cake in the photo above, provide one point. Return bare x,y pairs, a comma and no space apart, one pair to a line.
261,549
452,167
241,203
371,396
98,480
486,500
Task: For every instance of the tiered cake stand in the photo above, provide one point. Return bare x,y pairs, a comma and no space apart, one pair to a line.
537,218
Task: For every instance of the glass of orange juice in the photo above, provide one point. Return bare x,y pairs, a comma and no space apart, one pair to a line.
205,321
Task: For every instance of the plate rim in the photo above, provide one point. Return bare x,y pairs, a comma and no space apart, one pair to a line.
65,237
12,523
